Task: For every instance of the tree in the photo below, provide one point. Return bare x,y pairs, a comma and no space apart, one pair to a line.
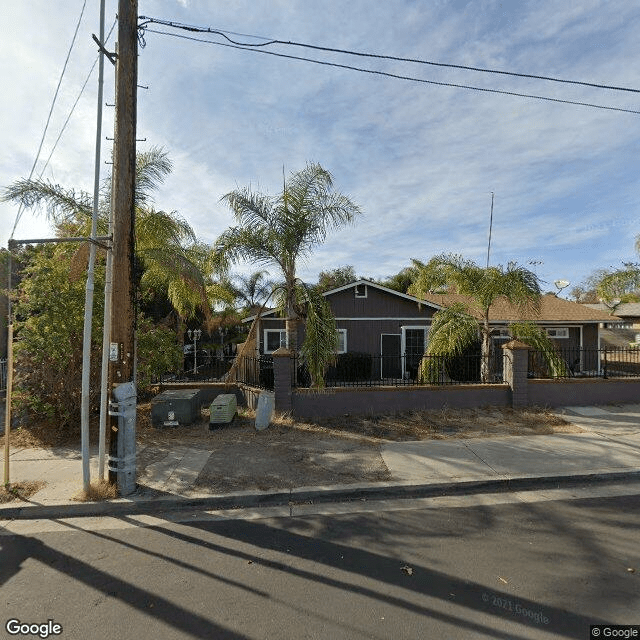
612,287
281,230
165,242
252,290
402,280
334,278
456,327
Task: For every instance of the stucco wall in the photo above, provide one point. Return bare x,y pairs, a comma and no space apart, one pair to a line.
582,392
370,400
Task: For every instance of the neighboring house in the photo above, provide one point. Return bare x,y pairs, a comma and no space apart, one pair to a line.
627,315
377,320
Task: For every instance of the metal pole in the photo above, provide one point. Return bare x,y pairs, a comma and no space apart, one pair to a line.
7,413
88,300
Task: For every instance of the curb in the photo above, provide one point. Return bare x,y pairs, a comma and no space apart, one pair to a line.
342,493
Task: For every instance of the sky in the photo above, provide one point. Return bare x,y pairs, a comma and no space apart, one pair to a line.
421,160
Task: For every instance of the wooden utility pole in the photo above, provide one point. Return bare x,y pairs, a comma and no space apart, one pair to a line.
121,354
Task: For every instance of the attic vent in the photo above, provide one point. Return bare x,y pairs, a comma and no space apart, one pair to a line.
361,290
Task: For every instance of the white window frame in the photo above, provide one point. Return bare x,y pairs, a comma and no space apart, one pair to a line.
355,289
342,332
561,332
283,338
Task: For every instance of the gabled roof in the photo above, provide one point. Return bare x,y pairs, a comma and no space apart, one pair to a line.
380,287
269,312
624,310
551,309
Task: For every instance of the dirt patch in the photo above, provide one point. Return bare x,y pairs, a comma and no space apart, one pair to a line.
19,491
345,450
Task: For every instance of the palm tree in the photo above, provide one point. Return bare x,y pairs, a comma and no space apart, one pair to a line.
252,290
456,327
280,231
165,242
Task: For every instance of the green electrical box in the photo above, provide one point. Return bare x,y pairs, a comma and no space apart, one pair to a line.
222,409
177,407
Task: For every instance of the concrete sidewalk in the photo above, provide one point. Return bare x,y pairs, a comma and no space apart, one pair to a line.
608,450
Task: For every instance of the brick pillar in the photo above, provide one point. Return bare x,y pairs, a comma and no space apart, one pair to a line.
516,365
282,379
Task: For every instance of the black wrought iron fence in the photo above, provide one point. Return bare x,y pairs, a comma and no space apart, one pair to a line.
585,363
254,371
372,370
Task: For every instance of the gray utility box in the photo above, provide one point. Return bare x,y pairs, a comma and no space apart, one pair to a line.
222,409
175,408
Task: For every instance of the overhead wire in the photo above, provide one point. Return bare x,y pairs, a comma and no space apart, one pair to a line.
66,122
53,102
270,41
397,76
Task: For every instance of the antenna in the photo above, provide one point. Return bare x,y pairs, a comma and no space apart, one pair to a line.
490,228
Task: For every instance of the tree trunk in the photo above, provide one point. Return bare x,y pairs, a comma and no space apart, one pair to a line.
485,353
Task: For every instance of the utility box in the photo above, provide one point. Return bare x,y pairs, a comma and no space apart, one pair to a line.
174,408
222,409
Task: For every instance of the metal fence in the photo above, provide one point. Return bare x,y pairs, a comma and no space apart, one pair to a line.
254,371
372,370
3,375
586,363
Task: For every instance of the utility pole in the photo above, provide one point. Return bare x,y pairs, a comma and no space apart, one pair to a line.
121,353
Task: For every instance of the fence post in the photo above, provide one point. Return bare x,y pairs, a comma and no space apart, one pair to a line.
282,379
516,365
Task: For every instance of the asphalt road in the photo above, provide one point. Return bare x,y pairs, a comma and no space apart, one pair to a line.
467,567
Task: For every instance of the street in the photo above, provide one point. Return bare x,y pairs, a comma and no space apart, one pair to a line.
531,565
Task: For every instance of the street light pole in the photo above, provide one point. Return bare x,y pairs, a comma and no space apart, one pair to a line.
196,334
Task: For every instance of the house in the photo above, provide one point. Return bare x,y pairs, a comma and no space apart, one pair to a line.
627,315
376,320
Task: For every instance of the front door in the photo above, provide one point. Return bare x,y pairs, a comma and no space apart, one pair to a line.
390,362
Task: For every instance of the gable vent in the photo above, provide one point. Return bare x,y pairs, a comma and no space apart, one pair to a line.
361,291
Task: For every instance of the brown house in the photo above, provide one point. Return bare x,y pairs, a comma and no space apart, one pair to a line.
377,320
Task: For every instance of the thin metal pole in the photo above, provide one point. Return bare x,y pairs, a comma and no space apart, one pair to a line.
7,412
88,301
490,229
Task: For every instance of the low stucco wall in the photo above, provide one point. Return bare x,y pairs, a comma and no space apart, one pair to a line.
307,403
583,391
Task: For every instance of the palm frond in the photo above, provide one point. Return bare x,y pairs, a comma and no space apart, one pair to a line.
538,340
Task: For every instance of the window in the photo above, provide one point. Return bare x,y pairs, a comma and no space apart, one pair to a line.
274,339
502,334
342,341
558,332
361,290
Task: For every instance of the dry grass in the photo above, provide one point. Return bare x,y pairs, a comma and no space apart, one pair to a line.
19,491
440,425
97,492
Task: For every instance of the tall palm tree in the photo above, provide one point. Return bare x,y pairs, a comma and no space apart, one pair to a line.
280,231
456,327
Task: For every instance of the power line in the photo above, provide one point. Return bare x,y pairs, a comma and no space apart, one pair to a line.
221,32
66,122
400,77
55,96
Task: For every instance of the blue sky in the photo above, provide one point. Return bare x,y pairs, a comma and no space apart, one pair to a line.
420,160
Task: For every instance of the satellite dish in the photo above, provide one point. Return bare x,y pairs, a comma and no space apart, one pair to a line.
561,284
